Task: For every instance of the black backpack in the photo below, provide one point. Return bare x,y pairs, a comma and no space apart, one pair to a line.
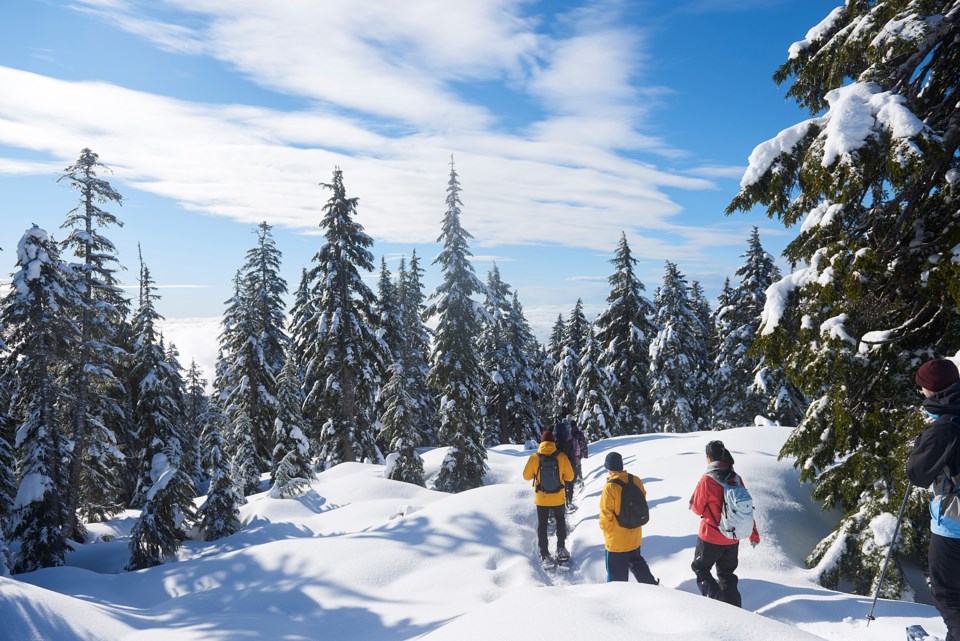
548,478
634,511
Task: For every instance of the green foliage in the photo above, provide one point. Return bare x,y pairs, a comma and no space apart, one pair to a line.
878,291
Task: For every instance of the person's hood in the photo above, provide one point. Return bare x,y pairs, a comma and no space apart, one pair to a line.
944,402
547,448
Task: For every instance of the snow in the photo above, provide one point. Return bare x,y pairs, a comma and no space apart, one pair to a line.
815,33
161,473
31,489
861,111
361,557
764,154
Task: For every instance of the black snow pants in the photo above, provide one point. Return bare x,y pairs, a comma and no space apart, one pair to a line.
944,564
725,557
543,514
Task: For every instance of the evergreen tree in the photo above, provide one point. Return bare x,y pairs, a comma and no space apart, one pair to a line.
219,515
389,329
527,395
555,343
594,412
344,353
872,179
455,372
567,370
729,407
404,464
496,360
303,319
291,454
673,356
195,412
416,349
244,463
164,490
94,482
254,342
702,371
38,317
624,330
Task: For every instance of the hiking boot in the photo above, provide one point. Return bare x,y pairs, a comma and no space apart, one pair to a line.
562,554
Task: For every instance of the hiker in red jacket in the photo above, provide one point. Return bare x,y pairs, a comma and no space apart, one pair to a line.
713,547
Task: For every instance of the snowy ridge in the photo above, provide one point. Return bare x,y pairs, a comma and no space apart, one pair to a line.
362,557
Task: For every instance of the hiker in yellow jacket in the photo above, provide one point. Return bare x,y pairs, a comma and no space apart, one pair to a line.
550,470
622,544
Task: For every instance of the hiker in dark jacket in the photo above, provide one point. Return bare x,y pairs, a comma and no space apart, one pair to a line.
548,502
581,450
713,547
935,460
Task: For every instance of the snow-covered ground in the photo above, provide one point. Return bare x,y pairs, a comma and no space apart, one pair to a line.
360,557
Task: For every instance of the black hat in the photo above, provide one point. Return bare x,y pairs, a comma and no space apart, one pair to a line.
613,462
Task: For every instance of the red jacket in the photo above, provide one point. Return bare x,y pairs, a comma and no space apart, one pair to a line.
706,502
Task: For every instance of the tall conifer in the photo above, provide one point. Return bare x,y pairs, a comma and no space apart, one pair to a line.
455,372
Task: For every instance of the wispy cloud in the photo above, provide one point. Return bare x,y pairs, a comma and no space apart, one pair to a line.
384,81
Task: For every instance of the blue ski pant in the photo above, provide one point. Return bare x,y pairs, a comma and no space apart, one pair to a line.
621,564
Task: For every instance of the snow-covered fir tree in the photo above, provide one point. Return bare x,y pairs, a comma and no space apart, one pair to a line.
226,378
555,342
195,414
594,412
872,181
219,516
38,315
508,351
343,352
389,328
567,370
674,353
703,363
624,330
302,322
399,431
455,372
164,490
291,452
255,342
416,348
94,476
244,462
528,394
496,359
729,404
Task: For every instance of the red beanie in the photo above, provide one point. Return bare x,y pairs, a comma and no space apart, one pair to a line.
548,436
937,375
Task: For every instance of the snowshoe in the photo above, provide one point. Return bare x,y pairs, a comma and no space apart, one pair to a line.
547,562
563,559
917,633
572,507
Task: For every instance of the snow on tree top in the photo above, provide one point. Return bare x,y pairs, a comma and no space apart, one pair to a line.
815,33
764,154
862,111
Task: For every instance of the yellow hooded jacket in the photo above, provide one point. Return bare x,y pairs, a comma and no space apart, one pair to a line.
532,470
615,537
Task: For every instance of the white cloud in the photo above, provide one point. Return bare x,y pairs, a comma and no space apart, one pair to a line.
385,81
196,339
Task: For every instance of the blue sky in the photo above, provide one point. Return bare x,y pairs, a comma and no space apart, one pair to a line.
568,121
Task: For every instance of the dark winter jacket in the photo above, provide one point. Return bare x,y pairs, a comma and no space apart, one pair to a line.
707,501
936,457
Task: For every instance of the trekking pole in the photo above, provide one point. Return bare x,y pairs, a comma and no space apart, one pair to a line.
886,561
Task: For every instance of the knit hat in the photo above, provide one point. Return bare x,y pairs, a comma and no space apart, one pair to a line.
547,437
937,375
613,462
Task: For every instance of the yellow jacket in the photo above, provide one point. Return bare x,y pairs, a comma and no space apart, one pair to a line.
615,537
532,470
